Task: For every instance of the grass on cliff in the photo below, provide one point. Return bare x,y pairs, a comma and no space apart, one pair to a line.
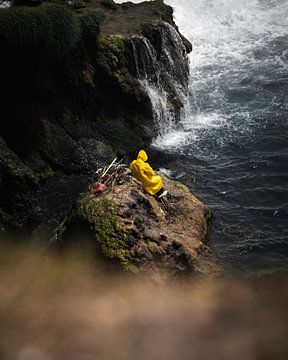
47,31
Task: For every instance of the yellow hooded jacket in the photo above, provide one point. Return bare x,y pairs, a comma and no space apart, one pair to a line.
143,172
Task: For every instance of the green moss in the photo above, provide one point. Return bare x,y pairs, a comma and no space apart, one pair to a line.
78,68
113,44
47,31
45,174
117,41
112,59
101,215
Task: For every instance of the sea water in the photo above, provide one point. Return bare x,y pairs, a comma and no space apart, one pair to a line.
231,146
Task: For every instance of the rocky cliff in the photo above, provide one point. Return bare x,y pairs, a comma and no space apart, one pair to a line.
80,82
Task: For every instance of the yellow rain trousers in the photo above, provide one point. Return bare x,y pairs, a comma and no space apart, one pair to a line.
143,172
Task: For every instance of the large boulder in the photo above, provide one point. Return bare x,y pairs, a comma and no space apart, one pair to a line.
146,236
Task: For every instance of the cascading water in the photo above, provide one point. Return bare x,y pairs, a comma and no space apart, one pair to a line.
148,74
231,145
152,66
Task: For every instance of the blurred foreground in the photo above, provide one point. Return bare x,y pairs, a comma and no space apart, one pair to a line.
62,308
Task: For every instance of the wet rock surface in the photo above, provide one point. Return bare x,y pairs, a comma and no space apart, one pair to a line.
155,238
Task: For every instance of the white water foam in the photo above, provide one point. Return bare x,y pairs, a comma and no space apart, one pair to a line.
189,131
159,100
225,34
163,117
228,30
232,139
231,42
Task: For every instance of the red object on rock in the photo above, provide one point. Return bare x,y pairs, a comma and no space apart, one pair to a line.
97,188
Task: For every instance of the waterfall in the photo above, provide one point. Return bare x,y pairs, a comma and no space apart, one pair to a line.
148,75
162,72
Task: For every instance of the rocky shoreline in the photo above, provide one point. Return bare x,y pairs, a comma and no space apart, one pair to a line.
74,104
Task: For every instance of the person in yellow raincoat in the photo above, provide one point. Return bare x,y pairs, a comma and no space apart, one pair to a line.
143,172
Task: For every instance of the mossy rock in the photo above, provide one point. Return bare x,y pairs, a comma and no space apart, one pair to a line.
112,61
147,236
101,215
111,52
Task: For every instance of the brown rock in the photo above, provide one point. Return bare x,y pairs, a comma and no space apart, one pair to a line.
161,239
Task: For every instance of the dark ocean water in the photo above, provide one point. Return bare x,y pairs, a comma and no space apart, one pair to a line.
231,146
